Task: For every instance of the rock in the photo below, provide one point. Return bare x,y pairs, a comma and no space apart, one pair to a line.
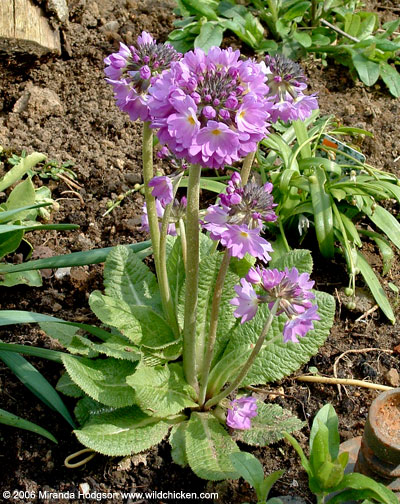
40,101
392,377
59,8
133,178
110,26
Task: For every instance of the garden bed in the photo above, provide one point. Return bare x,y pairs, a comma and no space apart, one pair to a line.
63,107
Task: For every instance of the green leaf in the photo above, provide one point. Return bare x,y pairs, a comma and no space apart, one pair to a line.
205,183
250,469
67,387
319,454
84,258
36,383
279,359
126,278
361,484
43,353
367,69
7,418
205,8
9,242
304,461
391,78
384,248
68,337
122,432
296,11
103,380
208,448
329,475
352,23
29,278
140,324
303,38
375,287
87,409
22,195
19,170
210,35
269,425
177,442
241,266
226,368
176,271
267,484
323,218
162,390
327,416
299,258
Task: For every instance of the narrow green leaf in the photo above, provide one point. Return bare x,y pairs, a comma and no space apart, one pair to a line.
375,287
84,258
304,461
36,383
7,418
384,248
361,483
208,448
205,183
177,442
323,218
43,353
29,278
6,228
6,215
386,222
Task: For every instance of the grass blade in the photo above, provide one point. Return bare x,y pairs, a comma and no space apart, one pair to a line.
322,206
43,353
36,383
7,418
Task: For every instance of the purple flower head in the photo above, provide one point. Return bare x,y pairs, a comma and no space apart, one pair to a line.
130,70
248,206
210,108
241,412
289,288
246,301
300,325
162,189
286,82
240,240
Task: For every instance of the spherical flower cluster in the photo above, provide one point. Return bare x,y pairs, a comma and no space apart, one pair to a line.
286,81
237,220
241,412
130,70
289,288
210,108
177,213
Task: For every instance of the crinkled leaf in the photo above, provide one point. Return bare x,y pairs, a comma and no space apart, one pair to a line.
67,336
177,442
161,390
299,258
128,279
67,387
103,380
175,270
208,447
122,432
269,425
87,409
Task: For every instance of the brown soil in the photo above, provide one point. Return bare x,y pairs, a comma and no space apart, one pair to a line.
71,115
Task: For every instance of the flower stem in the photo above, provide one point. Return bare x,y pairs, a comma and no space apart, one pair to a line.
246,168
285,242
245,369
192,276
219,285
148,173
182,233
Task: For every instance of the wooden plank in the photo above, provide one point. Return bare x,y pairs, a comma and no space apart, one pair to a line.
24,28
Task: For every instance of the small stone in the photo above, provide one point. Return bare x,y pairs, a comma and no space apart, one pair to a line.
111,26
60,9
133,178
392,377
84,488
56,307
350,109
42,101
62,272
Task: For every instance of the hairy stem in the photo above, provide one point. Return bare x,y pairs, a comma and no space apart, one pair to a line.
148,173
192,276
246,168
219,285
245,369
182,233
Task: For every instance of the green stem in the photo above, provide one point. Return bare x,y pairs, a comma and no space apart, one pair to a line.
302,138
245,369
246,168
320,499
148,173
192,275
219,285
285,242
182,233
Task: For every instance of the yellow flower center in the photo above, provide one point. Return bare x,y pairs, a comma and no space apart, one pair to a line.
244,234
216,132
191,120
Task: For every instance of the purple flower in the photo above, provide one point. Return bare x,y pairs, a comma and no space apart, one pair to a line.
130,70
300,325
286,81
291,291
162,189
241,412
246,301
240,240
217,99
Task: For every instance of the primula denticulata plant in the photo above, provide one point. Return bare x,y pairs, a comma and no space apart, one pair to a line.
222,311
